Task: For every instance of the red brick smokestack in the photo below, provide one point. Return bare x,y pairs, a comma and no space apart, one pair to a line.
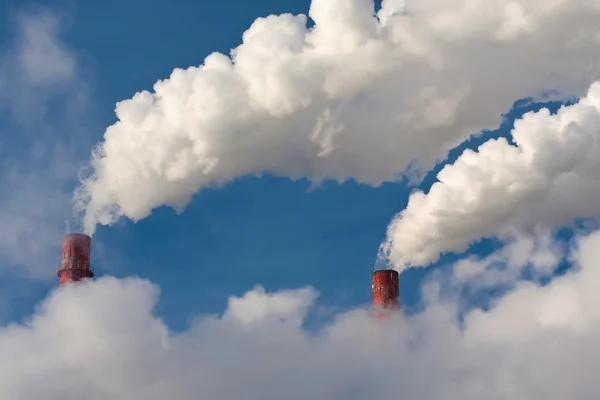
385,293
75,265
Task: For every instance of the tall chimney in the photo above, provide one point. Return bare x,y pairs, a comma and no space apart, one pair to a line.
75,265
385,293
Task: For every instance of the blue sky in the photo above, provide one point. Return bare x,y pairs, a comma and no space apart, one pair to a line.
507,235
268,231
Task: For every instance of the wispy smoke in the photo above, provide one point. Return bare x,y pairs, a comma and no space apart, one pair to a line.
357,96
43,103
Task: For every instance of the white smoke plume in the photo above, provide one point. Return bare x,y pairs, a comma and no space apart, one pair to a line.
82,343
548,178
358,96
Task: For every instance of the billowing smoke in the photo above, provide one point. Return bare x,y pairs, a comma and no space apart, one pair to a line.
549,177
357,96
534,343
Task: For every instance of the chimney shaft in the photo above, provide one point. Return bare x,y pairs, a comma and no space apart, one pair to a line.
75,265
385,292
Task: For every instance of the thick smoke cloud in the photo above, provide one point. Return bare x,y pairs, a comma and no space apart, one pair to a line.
102,341
548,178
356,97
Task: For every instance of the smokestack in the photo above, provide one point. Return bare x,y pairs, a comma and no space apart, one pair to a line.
385,293
75,265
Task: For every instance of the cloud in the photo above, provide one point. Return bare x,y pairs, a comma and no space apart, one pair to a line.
258,306
546,179
44,97
537,254
354,97
38,68
82,342
42,56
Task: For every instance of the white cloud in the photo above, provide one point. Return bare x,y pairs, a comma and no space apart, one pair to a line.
564,307
548,178
539,252
258,306
102,341
355,97
41,55
36,68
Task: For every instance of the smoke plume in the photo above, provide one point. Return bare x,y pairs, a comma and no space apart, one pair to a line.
361,95
549,177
